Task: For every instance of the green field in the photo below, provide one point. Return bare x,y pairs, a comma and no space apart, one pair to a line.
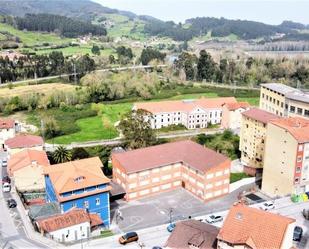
33,38
237,177
102,126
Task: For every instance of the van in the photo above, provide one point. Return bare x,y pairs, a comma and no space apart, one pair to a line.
6,187
128,237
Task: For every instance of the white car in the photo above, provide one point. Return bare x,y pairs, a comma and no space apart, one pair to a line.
4,163
267,206
214,219
6,187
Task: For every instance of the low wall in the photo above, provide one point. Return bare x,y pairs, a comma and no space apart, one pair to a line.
236,185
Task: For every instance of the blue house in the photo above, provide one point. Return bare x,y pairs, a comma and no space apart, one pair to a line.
79,184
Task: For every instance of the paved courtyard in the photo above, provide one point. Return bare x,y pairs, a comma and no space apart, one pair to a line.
158,209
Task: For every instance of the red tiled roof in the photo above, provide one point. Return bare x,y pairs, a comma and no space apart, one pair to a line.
24,141
184,105
68,219
26,158
196,233
37,201
235,106
297,127
253,227
260,115
7,123
188,152
95,220
64,176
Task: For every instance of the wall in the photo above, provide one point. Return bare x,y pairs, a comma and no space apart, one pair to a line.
6,134
16,150
301,108
103,208
279,164
272,101
50,192
287,242
70,234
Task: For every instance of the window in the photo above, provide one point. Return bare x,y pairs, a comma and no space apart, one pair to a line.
296,180
73,205
286,106
86,204
299,111
298,169
292,109
97,201
307,113
263,95
299,159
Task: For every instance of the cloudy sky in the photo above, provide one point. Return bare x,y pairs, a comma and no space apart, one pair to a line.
268,11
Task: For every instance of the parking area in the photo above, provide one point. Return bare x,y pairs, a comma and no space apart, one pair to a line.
161,208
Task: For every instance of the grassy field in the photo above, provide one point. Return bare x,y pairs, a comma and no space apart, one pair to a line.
33,38
28,89
103,125
237,177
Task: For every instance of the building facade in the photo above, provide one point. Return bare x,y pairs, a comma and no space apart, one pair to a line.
246,227
252,139
286,167
186,164
7,130
27,167
284,100
79,184
193,114
232,114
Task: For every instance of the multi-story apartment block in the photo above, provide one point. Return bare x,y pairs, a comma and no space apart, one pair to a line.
79,184
286,164
284,100
156,169
252,139
193,114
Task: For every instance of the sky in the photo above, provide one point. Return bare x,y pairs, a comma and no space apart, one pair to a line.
267,11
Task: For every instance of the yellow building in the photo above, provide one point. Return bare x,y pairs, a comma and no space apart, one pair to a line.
284,100
286,157
252,139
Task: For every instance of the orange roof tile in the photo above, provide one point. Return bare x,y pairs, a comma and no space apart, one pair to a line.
260,115
73,217
235,106
26,158
7,123
253,227
297,127
184,105
65,176
191,153
24,141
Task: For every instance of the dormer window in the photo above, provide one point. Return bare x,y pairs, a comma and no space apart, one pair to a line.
79,179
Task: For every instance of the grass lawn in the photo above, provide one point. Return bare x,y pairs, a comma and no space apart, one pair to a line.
32,38
237,177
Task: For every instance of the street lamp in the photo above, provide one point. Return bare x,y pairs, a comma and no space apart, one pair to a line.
81,241
170,214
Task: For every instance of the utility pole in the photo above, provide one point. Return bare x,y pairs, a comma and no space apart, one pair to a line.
74,73
42,129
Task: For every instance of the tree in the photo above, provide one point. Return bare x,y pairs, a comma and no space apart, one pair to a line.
95,50
112,59
205,67
61,155
149,54
79,153
51,128
136,129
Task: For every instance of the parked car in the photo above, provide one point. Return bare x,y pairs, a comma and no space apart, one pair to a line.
6,187
298,233
6,179
4,163
128,237
12,203
171,227
267,206
156,247
214,219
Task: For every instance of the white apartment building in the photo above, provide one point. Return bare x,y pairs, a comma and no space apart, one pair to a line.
193,114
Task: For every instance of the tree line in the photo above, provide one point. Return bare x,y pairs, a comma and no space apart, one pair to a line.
34,66
66,26
248,71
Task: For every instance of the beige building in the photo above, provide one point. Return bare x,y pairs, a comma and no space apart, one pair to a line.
26,167
286,164
232,114
148,171
247,228
7,130
284,100
252,139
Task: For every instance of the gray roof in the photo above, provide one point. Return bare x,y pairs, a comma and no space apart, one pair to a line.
43,211
298,96
280,88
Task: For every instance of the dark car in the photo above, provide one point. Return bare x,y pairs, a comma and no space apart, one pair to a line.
157,247
12,203
298,233
6,179
128,237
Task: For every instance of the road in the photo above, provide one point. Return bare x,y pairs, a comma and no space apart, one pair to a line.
117,141
72,74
